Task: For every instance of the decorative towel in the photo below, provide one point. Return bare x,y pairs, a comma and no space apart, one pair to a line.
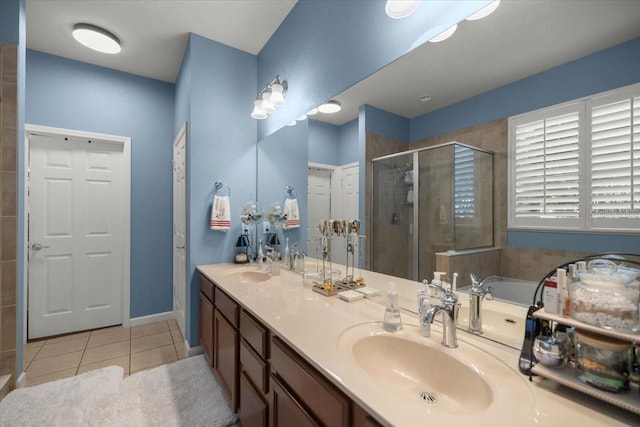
292,214
220,213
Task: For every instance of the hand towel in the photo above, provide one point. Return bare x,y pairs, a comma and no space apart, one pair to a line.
220,213
292,213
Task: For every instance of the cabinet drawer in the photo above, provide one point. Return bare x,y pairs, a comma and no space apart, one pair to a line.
326,402
255,334
206,287
254,367
253,409
285,410
227,307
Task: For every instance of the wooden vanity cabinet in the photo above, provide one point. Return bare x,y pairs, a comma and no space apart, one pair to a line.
361,418
206,319
254,372
299,392
226,346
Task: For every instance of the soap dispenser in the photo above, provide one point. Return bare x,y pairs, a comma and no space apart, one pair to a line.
392,321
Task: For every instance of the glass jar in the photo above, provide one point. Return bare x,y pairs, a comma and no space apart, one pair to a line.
606,299
603,362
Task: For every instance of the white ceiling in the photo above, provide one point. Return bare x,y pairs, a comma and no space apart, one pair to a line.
521,38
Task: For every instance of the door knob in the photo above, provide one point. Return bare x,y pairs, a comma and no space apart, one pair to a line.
38,246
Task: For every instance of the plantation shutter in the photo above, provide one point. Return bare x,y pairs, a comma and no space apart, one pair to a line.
547,168
464,178
615,158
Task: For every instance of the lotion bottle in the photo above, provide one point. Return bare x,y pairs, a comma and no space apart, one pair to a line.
392,321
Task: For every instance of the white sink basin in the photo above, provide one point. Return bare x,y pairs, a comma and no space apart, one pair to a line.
427,376
248,276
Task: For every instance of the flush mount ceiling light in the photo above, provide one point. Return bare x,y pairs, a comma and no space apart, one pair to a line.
398,9
269,98
330,107
485,11
444,35
96,38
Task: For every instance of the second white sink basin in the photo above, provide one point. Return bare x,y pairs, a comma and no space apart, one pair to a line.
462,381
248,276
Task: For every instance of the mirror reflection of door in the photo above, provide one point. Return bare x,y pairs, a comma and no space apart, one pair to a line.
319,204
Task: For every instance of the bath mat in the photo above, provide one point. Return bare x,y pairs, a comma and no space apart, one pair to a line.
184,393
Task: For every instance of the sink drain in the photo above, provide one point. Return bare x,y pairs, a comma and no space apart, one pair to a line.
429,396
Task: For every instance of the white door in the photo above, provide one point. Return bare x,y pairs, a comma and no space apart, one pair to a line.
76,234
179,229
319,205
349,203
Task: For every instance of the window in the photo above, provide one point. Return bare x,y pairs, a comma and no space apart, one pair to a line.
577,165
464,182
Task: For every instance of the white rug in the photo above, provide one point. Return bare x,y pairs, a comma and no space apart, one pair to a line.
183,393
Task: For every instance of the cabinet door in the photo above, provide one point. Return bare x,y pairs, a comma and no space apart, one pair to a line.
253,409
286,411
206,328
225,357
362,419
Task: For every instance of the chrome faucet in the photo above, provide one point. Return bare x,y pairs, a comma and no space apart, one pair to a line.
296,258
479,290
449,309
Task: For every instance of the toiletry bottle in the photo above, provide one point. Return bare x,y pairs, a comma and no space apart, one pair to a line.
550,295
392,321
287,254
561,274
454,285
260,254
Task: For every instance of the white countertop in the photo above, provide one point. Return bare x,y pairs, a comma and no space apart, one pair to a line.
312,324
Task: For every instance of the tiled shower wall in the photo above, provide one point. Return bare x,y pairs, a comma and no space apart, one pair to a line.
8,208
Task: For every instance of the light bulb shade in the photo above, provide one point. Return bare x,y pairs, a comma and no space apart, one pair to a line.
96,38
292,123
267,107
330,107
302,118
485,11
398,9
444,35
258,112
277,95
312,112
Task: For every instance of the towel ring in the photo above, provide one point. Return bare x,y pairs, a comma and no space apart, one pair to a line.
291,192
219,185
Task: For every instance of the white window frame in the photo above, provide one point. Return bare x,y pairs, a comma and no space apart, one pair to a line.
584,222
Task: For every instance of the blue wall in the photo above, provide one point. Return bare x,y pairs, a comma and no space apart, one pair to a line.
324,143
221,146
274,175
387,124
608,69
73,95
356,34
348,146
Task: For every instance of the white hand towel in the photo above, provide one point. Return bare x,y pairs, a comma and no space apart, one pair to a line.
220,213
292,213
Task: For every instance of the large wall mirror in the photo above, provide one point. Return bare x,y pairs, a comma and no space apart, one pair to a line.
521,40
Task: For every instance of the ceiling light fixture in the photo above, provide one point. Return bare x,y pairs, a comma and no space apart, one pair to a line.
292,123
330,107
444,35
96,38
485,11
312,112
302,118
269,98
398,9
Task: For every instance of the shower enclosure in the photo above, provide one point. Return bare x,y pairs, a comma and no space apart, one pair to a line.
430,200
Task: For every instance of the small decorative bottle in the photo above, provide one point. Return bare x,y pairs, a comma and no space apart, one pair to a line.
392,321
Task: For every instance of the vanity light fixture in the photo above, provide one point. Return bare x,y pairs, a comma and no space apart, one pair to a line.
292,123
330,107
485,11
302,118
269,98
96,38
399,9
444,35
312,112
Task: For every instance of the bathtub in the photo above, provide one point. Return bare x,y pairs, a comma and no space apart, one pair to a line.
510,290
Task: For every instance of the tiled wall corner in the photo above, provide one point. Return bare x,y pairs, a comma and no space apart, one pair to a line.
8,209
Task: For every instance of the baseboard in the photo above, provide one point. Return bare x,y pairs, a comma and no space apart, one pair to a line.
192,351
152,318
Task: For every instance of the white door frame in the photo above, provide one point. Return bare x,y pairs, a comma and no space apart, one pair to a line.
181,133
126,250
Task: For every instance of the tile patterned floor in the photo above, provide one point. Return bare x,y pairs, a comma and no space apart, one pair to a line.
135,349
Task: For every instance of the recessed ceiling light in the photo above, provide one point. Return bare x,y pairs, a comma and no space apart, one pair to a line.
96,38
485,11
330,107
398,9
425,98
444,35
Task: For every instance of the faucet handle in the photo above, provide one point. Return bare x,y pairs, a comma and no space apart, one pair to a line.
474,279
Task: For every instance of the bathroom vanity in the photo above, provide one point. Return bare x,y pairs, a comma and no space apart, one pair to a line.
286,355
